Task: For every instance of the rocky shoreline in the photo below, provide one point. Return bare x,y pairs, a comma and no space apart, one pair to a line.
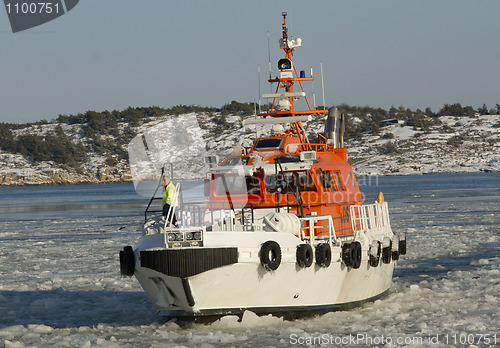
15,170
107,175
456,145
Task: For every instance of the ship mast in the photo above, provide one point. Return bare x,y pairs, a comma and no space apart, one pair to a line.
284,96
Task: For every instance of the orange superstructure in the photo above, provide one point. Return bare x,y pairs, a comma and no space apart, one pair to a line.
285,170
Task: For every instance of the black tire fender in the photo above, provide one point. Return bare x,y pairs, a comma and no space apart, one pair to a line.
346,254
375,251
270,255
395,247
304,255
356,253
323,255
402,243
386,250
127,261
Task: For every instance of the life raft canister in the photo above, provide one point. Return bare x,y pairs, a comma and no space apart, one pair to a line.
323,255
374,252
386,250
304,255
127,261
270,255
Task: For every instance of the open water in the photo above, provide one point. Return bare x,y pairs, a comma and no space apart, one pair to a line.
60,283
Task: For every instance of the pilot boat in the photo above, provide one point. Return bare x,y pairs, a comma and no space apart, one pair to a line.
284,231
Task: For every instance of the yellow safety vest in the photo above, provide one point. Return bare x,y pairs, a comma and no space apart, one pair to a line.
168,194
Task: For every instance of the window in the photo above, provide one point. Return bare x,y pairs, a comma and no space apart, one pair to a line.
268,143
331,181
326,180
338,182
236,185
288,158
234,161
352,180
321,178
289,182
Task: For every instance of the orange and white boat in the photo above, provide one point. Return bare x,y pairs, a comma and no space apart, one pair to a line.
285,230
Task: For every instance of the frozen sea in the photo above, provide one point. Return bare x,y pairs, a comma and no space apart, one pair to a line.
60,284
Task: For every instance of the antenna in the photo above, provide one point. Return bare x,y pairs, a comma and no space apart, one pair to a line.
313,94
258,72
323,85
269,54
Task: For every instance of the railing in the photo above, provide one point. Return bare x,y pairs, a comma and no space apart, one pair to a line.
225,215
370,218
311,227
321,147
193,214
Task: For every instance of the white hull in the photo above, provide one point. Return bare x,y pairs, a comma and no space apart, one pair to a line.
247,285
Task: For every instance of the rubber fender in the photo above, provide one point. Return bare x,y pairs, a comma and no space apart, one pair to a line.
402,243
127,261
346,254
395,247
386,250
323,255
304,255
356,253
270,255
375,251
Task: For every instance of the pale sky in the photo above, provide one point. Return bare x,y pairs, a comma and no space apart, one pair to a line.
111,54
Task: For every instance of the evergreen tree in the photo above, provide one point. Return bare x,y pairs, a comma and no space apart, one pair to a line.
7,142
483,110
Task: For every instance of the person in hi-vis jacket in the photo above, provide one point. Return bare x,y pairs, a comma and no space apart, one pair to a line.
168,197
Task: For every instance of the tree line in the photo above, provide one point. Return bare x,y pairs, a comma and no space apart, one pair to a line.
370,118
107,133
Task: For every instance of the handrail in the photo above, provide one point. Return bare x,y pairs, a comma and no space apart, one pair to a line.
216,212
231,206
370,218
318,147
153,197
312,219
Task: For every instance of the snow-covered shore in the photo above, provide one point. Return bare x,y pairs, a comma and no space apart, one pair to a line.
457,145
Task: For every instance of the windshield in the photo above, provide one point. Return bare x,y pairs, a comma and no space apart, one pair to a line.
236,185
289,182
